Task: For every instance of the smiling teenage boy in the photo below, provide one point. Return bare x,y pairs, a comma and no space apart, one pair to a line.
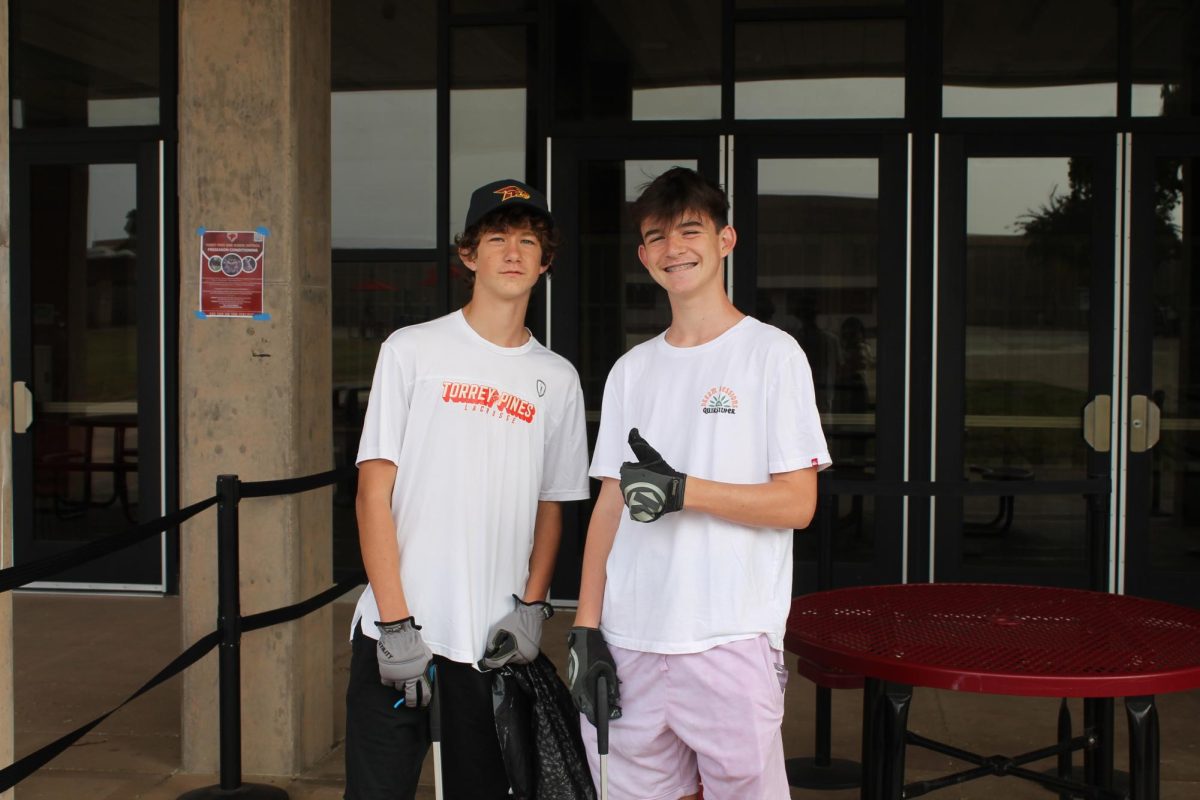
473,435
687,571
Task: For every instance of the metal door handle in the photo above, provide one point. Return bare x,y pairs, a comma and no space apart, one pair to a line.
1097,421
1144,421
22,407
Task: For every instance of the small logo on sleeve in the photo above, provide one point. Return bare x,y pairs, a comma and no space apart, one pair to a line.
719,400
815,462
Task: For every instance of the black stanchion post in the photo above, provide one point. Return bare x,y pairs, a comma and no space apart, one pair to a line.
229,622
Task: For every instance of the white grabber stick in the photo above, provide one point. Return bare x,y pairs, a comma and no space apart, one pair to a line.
435,730
602,733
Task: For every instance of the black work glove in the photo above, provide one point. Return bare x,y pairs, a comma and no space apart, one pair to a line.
588,659
517,636
403,660
651,486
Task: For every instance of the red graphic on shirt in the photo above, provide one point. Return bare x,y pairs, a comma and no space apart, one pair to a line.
478,397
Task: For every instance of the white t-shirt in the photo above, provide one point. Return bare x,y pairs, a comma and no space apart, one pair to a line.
736,409
479,434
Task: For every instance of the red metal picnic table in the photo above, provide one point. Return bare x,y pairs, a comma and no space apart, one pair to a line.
1009,640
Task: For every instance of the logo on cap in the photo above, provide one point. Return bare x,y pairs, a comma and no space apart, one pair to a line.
511,191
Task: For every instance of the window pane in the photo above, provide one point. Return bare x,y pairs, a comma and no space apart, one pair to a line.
628,63
1166,50
818,279
384,126
83,239
621,305
488,78
370,300
1175,489
1028,305
1030,58
82,63
820,70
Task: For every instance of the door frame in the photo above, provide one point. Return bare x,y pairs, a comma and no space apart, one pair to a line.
893,270
947,417
142,567
1137,573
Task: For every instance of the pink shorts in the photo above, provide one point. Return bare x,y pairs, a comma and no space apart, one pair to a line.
713,715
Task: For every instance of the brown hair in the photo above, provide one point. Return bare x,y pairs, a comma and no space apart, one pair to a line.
506,219
677,191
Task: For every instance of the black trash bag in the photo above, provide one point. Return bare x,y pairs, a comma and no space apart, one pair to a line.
538,728
514,728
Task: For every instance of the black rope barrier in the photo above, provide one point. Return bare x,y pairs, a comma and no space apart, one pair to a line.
230,623
18,771
265,619
295,485
17,576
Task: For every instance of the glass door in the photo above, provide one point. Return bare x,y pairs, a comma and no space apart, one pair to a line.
821,255
602,300
87,439
1161,541
1025,320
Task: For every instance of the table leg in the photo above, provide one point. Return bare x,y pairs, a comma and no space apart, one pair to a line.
872,747
894,718
1098,761
1143,747
1064,735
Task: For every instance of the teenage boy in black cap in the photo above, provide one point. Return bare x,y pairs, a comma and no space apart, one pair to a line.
473,435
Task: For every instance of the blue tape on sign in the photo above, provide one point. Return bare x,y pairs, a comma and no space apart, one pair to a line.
261,317
262,230
201,230
201,315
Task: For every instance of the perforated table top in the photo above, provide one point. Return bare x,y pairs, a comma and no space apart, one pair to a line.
1001,639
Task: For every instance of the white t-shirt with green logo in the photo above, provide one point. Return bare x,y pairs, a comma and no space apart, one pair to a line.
479,434
737,409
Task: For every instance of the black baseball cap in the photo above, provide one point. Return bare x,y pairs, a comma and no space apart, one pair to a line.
503,193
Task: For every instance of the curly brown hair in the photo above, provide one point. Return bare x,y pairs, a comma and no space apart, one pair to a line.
504,220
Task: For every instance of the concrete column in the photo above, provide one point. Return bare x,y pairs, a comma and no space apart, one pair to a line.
6,529
255,396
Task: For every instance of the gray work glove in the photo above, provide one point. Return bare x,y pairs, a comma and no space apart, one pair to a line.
517,637
588,658
650,485
404,660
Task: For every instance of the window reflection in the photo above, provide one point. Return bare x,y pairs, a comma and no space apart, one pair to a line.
1175,482
812,70
83,239
619,307
1030,58
384,125
384,153
80,63
1029,252
818,279
638,60
487,112
1166,50
370,300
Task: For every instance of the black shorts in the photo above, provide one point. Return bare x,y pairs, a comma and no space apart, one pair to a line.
385,745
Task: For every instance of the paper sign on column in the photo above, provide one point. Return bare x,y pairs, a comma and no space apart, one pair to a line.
232,264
